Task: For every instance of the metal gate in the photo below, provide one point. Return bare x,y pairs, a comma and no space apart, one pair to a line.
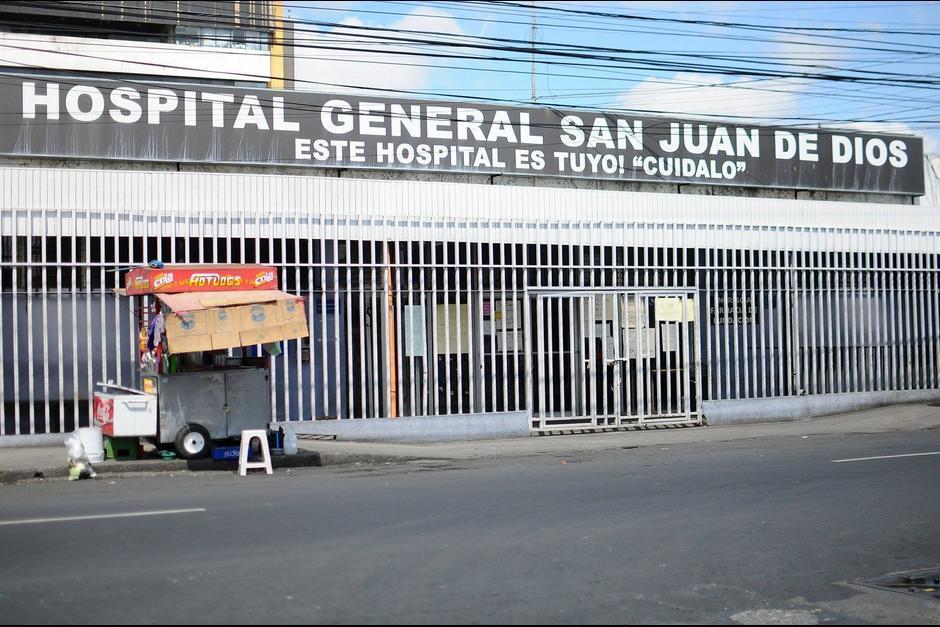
608,358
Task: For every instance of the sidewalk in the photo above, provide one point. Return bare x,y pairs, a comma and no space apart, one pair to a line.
879,420
17,464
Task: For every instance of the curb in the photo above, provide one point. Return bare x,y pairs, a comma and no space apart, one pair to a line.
107,469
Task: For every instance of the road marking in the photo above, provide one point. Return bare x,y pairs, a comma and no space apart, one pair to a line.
865,459
36,521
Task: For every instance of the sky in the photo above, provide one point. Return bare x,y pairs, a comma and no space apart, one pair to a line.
343,47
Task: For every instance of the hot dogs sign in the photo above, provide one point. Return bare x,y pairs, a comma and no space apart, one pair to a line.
198,123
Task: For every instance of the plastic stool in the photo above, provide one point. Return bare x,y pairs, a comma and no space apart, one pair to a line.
243,464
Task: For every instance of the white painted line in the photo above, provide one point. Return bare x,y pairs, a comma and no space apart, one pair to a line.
865,459
36,521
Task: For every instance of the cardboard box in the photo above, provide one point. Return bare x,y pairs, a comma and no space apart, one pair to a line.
259,316
188,332
220,328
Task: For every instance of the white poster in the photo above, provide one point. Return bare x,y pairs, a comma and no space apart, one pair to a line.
415,334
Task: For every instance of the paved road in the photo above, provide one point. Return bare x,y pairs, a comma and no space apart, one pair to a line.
703,532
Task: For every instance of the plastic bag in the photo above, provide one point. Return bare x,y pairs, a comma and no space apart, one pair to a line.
79,466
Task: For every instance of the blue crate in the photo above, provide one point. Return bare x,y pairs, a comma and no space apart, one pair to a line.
222,453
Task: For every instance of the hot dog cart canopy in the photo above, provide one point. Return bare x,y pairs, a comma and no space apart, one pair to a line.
209,321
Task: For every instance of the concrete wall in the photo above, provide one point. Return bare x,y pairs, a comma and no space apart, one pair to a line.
800,407
116,56
478,179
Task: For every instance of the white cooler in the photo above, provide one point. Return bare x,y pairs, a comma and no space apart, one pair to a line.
126,414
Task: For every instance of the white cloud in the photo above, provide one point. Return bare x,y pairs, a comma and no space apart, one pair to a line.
697,94
693,94
364,61
931,145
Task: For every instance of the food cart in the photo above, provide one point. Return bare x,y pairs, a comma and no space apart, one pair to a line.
205,335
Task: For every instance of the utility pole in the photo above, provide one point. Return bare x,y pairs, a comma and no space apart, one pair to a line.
532,40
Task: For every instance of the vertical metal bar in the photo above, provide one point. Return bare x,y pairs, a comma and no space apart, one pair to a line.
815,330
792,327
697,360
337,337
539,330
869,321
618,358
908,320
435,379
779,345
16,335
930,291
591,327
896,379
391,391
760,315
398,364
464,271
471,332
805,292
30,368
12,289
730,312
375,246
519,325
883,322
739,354
754,389
447,366
412,376
88,296
45,320
324,342
605,409
709,317
685,407
311,317
493,336
642,341
841,356
350,377
60,235
830,320
853,313
560,340
918,337
426,355
550,346
529,379
931,332
458,272
505,330
298,344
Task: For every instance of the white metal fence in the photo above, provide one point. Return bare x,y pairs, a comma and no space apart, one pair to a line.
438,314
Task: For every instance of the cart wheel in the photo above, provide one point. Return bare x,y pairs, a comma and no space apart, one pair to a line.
192,442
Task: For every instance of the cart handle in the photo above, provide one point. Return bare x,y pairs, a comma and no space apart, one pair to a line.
119,387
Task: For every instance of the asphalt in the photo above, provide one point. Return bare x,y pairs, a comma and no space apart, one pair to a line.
749,530
27,463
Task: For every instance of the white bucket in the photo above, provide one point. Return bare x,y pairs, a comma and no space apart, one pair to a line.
93,442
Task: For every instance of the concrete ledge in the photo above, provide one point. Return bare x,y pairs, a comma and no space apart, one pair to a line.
755,410
303,459
419,429
47,439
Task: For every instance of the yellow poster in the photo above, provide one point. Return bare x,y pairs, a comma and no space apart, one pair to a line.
452,329
669,309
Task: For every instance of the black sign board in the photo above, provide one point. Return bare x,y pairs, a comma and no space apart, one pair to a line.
99,119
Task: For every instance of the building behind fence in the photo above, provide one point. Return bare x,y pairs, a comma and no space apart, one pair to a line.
584,307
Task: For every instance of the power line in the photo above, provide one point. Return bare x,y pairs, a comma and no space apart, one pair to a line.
451,95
